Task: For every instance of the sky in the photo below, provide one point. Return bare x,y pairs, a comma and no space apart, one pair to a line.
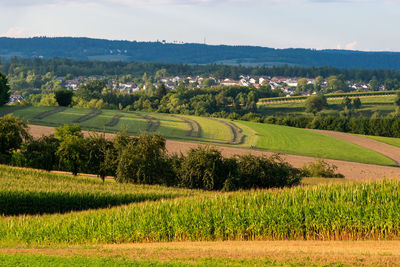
368,25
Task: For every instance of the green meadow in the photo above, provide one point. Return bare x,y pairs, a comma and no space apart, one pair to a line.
305,142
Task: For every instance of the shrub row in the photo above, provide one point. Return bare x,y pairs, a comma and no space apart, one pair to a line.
378,126
388,126
333,95
144,160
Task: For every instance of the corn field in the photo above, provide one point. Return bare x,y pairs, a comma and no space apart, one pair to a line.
330,212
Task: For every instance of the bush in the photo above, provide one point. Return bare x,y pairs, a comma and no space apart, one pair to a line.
97,148
264,172
13,132
320,168
71,154
41,153
203,168
144,161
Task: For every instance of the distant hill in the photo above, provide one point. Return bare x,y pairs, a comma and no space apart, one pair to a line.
106,50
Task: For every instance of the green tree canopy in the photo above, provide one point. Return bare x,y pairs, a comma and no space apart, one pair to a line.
13,132
4,90
64,97
91,90
316,103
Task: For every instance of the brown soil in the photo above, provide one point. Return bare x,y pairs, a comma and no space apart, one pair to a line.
351,170
370,253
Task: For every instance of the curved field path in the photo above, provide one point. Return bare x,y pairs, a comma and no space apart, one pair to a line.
382,148
351,170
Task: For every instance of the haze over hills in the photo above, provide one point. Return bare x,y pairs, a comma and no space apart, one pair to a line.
107,50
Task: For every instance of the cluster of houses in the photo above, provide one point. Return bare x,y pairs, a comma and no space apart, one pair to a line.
15,98
286,84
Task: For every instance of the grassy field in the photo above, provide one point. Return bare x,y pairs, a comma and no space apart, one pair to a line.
171,126
29,113
370,104
133,122
387,140
211,254
212,130
305,142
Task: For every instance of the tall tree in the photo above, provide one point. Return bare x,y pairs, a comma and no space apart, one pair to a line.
316,103
13,132
4,90
161,91
64,97
318,83
302,85
373,85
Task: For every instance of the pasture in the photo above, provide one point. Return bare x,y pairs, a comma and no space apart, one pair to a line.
205,130
305,142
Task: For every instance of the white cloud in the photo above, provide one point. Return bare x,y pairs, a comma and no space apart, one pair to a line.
15,32
351,46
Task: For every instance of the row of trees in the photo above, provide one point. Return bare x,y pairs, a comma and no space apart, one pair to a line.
36,76
386,126
238,99
140,160
64,67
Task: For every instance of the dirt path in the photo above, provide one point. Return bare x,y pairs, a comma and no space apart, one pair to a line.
351,170
365,253
382,148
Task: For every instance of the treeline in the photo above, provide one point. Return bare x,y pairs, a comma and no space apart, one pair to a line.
331,95
381,126
69,67
201,102
139,160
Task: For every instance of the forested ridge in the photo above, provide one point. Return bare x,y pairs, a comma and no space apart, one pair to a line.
190,53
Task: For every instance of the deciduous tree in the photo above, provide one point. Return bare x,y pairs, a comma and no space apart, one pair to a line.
316,103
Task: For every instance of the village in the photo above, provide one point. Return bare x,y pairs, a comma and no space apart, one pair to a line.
289,86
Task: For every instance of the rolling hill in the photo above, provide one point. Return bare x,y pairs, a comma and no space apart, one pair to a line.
242,134
191,53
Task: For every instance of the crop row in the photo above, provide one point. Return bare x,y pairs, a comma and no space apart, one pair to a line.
29,191
152,123
47,113
237,136
114,121
90,115
194,126
40,202
335,212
